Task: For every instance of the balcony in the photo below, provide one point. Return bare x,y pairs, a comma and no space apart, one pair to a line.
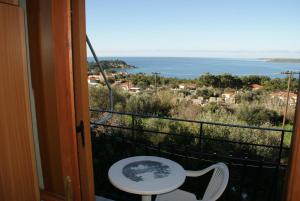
257,157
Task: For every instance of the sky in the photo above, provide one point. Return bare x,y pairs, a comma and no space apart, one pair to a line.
195,28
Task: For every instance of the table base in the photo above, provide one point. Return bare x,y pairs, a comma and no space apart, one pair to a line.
146,198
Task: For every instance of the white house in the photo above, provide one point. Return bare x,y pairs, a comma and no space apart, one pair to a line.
198,101
229,97
282,96
94,79
181,86
134,89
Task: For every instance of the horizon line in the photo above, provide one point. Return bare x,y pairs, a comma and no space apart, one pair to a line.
204,57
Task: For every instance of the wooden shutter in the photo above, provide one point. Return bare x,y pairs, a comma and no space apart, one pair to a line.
18,180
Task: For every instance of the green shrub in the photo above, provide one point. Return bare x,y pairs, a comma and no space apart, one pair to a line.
258,115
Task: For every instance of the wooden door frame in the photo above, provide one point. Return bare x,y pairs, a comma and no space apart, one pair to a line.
82,98
50,45
293,183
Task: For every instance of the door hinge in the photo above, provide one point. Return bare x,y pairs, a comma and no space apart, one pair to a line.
80,131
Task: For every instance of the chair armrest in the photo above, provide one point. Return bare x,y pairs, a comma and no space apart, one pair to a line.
198,173
191,173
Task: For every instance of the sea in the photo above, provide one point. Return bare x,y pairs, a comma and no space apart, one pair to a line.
190,68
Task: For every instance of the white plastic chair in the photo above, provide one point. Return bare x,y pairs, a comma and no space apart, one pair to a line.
214,190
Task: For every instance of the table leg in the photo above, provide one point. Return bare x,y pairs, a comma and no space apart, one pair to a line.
146,198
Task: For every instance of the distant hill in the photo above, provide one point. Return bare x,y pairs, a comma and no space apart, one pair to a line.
281,60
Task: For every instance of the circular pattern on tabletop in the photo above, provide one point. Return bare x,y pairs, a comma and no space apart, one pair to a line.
146,175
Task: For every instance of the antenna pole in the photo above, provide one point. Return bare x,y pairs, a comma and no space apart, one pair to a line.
289,74
155,78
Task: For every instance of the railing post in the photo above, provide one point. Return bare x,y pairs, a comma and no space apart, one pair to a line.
258,175
230,166
133,137
281,147
132,127
276,173
242,179
201,136
159,149
279,160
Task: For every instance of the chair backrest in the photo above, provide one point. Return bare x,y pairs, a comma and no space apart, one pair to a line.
217,183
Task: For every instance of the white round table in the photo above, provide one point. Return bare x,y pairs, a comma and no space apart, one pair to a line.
146,175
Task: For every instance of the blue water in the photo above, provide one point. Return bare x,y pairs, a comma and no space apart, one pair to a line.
193,67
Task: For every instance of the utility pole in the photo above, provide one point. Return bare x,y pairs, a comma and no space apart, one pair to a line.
290,75
155,78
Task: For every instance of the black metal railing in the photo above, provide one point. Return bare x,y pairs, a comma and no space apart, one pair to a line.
257,157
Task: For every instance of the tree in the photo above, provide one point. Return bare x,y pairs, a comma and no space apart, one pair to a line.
275,84
99,97
249,96
229,81
254,79
205,92
258,115
209,80
281,84
149,104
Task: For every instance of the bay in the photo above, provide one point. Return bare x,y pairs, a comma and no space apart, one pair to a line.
186,67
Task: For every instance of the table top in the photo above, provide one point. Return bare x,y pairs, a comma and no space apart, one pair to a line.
146,175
